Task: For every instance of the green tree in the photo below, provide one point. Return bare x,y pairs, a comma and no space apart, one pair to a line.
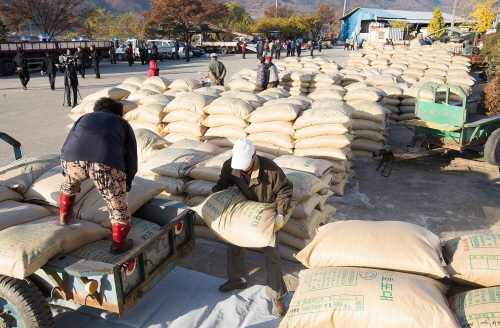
237,19
4,30
436,23
97,22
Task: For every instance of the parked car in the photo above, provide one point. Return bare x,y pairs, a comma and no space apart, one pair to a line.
197,51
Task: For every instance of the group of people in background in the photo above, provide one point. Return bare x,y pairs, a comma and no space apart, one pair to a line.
273,48
354,44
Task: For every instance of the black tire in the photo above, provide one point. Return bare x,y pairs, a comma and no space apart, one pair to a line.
27,300
6,66
492,148
120,57
224,50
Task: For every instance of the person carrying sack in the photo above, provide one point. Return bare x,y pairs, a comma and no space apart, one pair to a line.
260,180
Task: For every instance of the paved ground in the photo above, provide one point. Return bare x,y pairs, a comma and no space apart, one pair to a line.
450,201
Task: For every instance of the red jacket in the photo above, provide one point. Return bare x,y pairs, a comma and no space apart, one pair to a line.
129,52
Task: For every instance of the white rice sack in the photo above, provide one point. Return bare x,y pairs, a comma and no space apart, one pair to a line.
151,113
140,94
280,126
158,98
366,94
367,110
157,81
172,162
278,112
199,187
210,169
184,128
321,130
113,93
189,84
213,121
185,116
230,106
274,138
228,131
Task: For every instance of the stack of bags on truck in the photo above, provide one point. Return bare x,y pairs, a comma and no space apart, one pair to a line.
410,68
31,234
322,131
357,277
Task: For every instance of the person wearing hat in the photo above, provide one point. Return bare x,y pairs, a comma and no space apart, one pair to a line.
216,70
21,65
94,55
273,73
260,180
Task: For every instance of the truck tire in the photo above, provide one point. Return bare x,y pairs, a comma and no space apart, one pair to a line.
23,305
492,148
6,66
224,50
120,57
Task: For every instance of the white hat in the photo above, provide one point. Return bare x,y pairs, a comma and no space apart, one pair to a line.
243,151
213,54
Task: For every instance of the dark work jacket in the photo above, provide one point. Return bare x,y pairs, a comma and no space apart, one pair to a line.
262,75
70,77
268,183
49,65
20,61
95,55
103,137
80,59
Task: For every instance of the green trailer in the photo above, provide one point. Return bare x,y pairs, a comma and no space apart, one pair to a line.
445,122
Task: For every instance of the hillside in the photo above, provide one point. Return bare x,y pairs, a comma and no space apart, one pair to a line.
255,7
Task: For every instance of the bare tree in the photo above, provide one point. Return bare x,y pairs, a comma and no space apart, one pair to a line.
282,11
49,16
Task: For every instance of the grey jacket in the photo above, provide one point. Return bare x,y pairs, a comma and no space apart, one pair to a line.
273,73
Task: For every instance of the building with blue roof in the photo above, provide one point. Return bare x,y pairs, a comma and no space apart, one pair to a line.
372,24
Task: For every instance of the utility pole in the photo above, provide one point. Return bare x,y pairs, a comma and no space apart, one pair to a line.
276,9
343,12
453,13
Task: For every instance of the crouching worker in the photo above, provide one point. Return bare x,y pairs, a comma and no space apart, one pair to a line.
101,146
260,180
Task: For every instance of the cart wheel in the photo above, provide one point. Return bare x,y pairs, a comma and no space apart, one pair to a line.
23,305
492,148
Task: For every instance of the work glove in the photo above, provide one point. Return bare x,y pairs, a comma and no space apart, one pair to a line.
278,222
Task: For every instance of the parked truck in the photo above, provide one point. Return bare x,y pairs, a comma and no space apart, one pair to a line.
35,51
112,283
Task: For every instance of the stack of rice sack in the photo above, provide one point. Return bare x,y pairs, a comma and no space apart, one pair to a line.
473,264
184,115
322,131
226,120
296,82
244,80
170,166
357,276
411,67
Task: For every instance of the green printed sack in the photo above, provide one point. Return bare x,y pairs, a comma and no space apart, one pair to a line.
172,162
305,185
239,221
358,297
477,308
474,259
317,167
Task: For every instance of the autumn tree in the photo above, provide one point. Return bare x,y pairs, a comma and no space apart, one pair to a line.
282,11
484,14
49,16
237,19
325,15
436,23
294,26
4,30
187,13
401,24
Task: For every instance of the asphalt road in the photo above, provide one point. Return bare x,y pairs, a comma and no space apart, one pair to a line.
450,201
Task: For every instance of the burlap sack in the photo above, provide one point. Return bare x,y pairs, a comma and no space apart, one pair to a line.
160,98
196,145
21,174
359,297
473,260
47,186
7,194
371,244
172,162
194,102
230,106
243,84
305,185
477,308
280,140
209,169
151,113
253,99
142,230
227,131
213,121
279,112
366,144
184,128
306,208
317,167
175,137
271,149
302,104
181,198
189,84
324,153
277,126
14,213
322,130
360,124
305,227
193,201
157,81
239,221
185,116
141,93
148,142
156,128
113,93
329,141
92,206
292,240
172,185
41,240
313,117
135,80
199,187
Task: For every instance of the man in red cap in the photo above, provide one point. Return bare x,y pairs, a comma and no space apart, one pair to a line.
260,180
273,73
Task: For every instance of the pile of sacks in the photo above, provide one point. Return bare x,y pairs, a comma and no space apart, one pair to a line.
30,234
406,69
356,276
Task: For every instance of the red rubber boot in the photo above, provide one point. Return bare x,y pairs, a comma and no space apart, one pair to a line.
66,208
120,242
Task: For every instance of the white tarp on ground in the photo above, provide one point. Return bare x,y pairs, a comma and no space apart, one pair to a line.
184,298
